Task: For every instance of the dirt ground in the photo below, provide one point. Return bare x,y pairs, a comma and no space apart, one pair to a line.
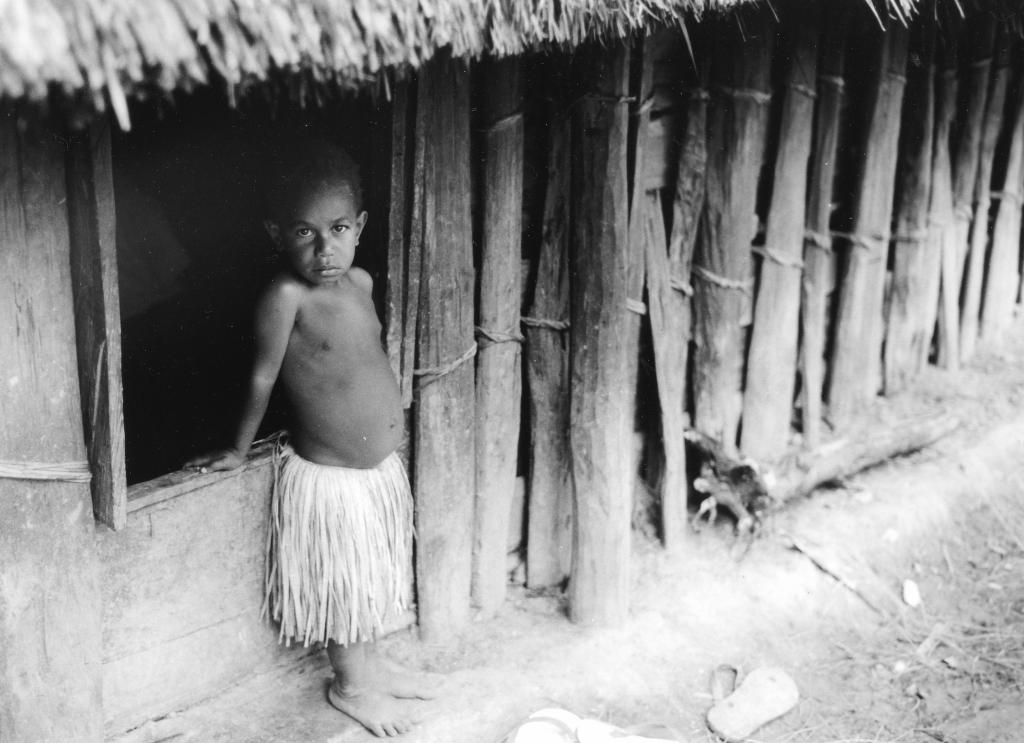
818,593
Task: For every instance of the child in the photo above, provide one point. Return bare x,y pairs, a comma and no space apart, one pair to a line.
341,522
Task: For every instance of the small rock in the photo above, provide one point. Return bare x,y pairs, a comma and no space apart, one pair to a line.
911,594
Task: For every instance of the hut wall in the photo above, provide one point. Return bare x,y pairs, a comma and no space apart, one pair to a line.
49,584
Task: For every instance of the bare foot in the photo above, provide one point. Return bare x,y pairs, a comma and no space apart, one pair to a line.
401,682
377,711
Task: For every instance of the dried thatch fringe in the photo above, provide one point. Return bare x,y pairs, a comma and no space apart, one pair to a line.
110,50
52,471
339,548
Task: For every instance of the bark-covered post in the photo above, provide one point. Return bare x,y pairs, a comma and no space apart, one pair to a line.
771,363
941,253
737,120
600,420
445,465
975,265
819,261
1003,277
905,335
498,378
549,524
859,316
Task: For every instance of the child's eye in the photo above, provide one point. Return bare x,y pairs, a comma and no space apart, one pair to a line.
339,228
303,232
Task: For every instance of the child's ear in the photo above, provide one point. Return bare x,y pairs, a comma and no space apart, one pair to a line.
274,231
360,223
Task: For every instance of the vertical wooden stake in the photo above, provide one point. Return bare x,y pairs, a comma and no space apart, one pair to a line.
401,338
1002,277
445,464
975,267
599,585
549,525
498,383
859,318
819,262
942,235
98,317
905,334
771,363
737,120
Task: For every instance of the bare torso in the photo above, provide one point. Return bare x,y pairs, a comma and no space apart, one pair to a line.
346,406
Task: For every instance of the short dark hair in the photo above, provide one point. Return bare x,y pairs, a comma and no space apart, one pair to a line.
297,165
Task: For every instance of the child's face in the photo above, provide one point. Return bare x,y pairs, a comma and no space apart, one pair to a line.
318,232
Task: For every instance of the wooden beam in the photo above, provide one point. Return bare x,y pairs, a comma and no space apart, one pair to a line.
549,514
723,280
599,586
858,332
943,232
398,309
771,360
970,311
906,341
499,373
819,261
444,460
98,317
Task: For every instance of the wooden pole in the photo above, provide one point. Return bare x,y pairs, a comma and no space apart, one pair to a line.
98,317
599,585
975,266
737,119
669,296
499,381
640,109
549,524
1002,276
444,458
942,246
905,335
403,276
819,262
858,321
978,41
771,360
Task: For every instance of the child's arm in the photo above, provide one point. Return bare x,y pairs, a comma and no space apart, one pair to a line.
275,317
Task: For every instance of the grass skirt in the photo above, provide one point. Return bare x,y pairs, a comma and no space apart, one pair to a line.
339,550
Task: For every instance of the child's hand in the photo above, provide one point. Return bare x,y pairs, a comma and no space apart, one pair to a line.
222,459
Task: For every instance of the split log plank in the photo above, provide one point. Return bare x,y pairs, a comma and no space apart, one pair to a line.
942,246
819,261
1002,276
444,460
859,316
98,318
549,526
772,357
600,421
975,266
906,341
737,121
669,315
398,309
498,380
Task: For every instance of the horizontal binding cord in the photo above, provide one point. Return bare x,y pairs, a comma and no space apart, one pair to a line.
743,285
540,322
681,286
782,260
867,242
918,236
834,80
433,373
803,90
48,471
964,212
1007,196
698,94
759,97
503,123
635,305
983,62
644,107
492,337
820,240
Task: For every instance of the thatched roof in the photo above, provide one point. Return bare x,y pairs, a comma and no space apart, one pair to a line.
106,50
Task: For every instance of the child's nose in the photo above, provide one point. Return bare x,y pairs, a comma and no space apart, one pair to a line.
323,245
